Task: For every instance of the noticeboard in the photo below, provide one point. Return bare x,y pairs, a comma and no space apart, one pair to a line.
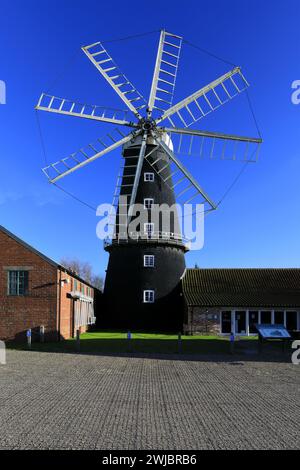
267,331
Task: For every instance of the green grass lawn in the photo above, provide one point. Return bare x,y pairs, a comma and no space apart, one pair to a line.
140,342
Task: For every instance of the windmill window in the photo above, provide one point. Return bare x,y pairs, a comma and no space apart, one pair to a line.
149,177
148,203
17,283
148,296
149,261
149,228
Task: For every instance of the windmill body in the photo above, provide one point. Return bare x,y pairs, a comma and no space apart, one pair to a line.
147,259
152,258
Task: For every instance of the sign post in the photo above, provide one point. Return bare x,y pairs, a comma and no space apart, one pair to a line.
270,332
232,339
28,335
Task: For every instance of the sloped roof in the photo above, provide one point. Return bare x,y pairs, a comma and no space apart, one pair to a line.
44,257
242,287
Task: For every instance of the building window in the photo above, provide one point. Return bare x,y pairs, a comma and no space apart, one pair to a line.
253,320
149,177
265,317
149,228
148,296
149,261
17,283
148,203
291,321
240,322
75,284
226,322
82,288
279,318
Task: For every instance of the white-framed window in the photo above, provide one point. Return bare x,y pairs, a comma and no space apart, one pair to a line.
148,203
148,296
17,282
149,177
149,261
149,228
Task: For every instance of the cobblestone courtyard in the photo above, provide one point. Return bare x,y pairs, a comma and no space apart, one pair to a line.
69,401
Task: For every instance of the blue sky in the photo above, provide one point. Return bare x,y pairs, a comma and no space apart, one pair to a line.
258,223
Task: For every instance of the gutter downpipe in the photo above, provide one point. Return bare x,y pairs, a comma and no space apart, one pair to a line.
59,306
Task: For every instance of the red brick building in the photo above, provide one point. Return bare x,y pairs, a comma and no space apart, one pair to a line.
35,291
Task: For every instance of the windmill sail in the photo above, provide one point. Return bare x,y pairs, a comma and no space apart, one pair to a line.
188,111
113,75
214,145
165,72
86,155
206,100
180,178
54,104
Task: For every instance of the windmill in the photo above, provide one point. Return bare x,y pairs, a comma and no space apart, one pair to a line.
145,265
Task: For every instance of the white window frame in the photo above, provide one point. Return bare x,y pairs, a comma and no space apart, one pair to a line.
255,309
149,177
149,261
148,225
20,275
148,296
148,202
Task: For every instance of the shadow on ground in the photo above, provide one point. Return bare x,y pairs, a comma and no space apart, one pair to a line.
188,349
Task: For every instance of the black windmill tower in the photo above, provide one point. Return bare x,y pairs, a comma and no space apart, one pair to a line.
146,262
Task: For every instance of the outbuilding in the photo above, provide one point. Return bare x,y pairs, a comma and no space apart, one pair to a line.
39,294
224,301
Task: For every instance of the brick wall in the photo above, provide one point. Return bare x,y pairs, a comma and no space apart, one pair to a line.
18,313
48,301
202,320
67,303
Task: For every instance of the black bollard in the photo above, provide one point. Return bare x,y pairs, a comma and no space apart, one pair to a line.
179,343
78,340
129,341
42,334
